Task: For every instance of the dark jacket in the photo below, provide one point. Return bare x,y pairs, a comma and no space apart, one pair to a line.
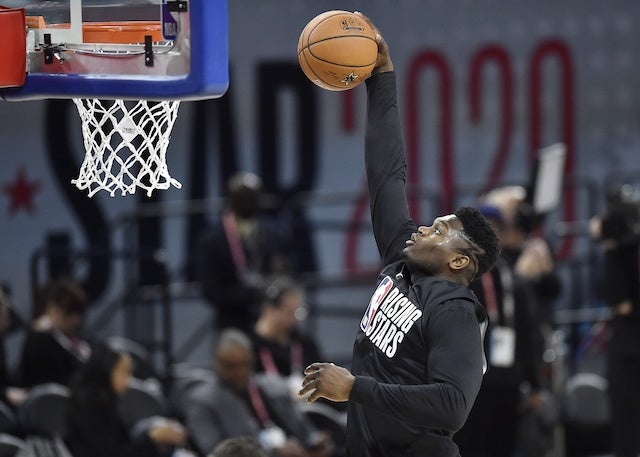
94,429
418,355
214,413
45,360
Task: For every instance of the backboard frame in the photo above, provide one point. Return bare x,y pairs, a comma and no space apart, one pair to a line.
208,74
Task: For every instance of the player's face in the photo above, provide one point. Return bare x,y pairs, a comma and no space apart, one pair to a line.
430,249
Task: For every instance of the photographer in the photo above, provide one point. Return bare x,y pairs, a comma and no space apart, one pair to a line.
619,234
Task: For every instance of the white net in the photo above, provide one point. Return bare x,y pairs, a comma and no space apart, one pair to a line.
126,145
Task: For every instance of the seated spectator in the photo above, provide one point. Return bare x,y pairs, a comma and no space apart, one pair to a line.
94,428
238,447
240,403
9,393
280,346
54,348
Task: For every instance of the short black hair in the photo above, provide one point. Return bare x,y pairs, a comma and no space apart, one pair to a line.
64,293
480,232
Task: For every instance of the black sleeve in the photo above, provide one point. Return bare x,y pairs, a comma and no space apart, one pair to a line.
620,279
530,341
386,165
454,368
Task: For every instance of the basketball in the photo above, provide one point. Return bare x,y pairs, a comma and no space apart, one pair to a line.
337,50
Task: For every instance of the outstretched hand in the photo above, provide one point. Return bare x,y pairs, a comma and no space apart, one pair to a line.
383,62
328,381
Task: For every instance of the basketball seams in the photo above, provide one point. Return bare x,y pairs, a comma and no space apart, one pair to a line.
321,59
324,19
316,74
326,62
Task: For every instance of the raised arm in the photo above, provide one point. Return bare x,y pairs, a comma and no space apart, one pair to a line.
385,160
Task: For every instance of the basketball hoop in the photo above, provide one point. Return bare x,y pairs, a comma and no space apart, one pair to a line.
125,141
126,78
126,145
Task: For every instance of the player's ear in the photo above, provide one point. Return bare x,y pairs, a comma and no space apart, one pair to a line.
459,261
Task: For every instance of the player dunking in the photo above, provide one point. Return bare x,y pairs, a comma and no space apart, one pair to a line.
417,360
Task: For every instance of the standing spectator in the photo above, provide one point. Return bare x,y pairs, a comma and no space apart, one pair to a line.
619,233
10,394
417,360
528,253
54,347
237,253
240,403
513,356
94,428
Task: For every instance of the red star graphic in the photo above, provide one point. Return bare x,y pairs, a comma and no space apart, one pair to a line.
21,193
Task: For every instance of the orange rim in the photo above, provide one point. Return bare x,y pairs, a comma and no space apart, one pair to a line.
123,32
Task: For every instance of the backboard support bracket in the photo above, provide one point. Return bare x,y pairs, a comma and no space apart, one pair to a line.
48,49
148,50
177,6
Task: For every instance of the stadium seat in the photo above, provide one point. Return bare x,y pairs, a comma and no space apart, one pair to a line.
183,383
587,415
327,419
141,400
11,446
8,420
42,412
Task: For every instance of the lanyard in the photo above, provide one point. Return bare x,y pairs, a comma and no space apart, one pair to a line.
258,406
295,358
508,298
490,296
235,244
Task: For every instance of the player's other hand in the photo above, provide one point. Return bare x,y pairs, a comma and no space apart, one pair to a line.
328,381
383,63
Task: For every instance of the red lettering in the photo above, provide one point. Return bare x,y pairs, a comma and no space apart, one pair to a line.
558,50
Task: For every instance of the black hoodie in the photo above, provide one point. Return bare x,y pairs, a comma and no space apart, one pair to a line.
418,357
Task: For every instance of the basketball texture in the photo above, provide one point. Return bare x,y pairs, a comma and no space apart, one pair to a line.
337,50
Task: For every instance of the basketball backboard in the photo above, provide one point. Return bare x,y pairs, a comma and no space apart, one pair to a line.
124,49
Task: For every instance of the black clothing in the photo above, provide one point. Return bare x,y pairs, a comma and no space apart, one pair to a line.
418,357
491,427
232,268
4,374
522,319
45,360
621,282
546,287
299,352
95,430
623,371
